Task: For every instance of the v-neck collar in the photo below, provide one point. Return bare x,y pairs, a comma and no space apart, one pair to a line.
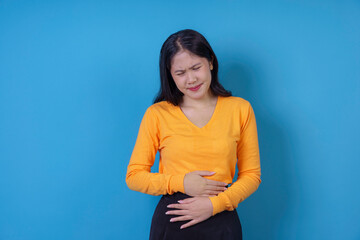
209,122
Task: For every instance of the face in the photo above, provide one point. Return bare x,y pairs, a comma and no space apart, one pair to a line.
192,75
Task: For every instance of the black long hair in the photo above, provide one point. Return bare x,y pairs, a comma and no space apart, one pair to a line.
195,43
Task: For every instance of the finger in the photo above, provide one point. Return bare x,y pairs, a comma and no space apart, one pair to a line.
187,200
215,183
192,222
215,188
182,218
213,192
203,173
176,212
178,206
208,195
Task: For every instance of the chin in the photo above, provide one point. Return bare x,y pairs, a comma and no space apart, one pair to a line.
197,95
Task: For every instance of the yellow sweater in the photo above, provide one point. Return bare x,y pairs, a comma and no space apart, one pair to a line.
229,137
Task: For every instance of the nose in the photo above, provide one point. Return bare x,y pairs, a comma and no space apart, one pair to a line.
191,78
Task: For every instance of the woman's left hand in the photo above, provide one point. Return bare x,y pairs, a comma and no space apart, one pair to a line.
196,209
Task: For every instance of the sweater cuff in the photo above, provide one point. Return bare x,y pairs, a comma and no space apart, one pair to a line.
177,183
218,204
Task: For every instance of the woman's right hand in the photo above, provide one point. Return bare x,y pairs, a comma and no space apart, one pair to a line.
196,185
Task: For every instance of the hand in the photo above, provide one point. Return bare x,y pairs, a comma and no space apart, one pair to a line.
196,209
196,185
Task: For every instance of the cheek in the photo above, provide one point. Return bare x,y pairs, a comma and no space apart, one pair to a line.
179,85
206,75
178,82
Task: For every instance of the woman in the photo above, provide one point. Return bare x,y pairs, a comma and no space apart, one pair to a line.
201,132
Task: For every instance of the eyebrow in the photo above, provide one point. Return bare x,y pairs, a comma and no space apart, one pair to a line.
195,65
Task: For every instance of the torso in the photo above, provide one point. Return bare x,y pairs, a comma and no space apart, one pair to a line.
207,140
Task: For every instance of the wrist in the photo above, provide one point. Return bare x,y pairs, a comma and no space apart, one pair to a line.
177,184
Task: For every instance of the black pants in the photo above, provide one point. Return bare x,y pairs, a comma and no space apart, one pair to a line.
225,225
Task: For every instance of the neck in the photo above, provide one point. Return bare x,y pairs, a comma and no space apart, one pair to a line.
205,101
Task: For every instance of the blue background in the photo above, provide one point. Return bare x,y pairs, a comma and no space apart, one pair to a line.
77,76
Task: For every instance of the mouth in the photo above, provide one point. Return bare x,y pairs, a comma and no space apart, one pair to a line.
195,88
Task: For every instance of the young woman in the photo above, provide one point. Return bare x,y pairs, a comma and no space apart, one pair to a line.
201,133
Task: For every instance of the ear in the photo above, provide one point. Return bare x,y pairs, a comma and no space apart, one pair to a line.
211,63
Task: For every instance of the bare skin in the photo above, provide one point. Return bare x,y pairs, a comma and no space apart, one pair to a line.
197,186
195,209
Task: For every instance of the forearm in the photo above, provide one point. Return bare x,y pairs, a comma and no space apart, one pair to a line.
243,187
142,180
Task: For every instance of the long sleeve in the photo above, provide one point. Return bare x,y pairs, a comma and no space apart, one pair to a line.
138,176
248,163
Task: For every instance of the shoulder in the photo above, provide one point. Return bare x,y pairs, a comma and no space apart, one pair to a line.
236,102
238,106
160,108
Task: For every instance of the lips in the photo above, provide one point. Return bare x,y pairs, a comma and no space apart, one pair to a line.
195,88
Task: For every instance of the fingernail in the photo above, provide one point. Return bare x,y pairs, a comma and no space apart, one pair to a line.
180,201
171,220
181,227
167,213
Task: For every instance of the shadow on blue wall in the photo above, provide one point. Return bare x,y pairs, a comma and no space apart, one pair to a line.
262,213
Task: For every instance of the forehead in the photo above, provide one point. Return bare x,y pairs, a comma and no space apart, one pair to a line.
185,59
